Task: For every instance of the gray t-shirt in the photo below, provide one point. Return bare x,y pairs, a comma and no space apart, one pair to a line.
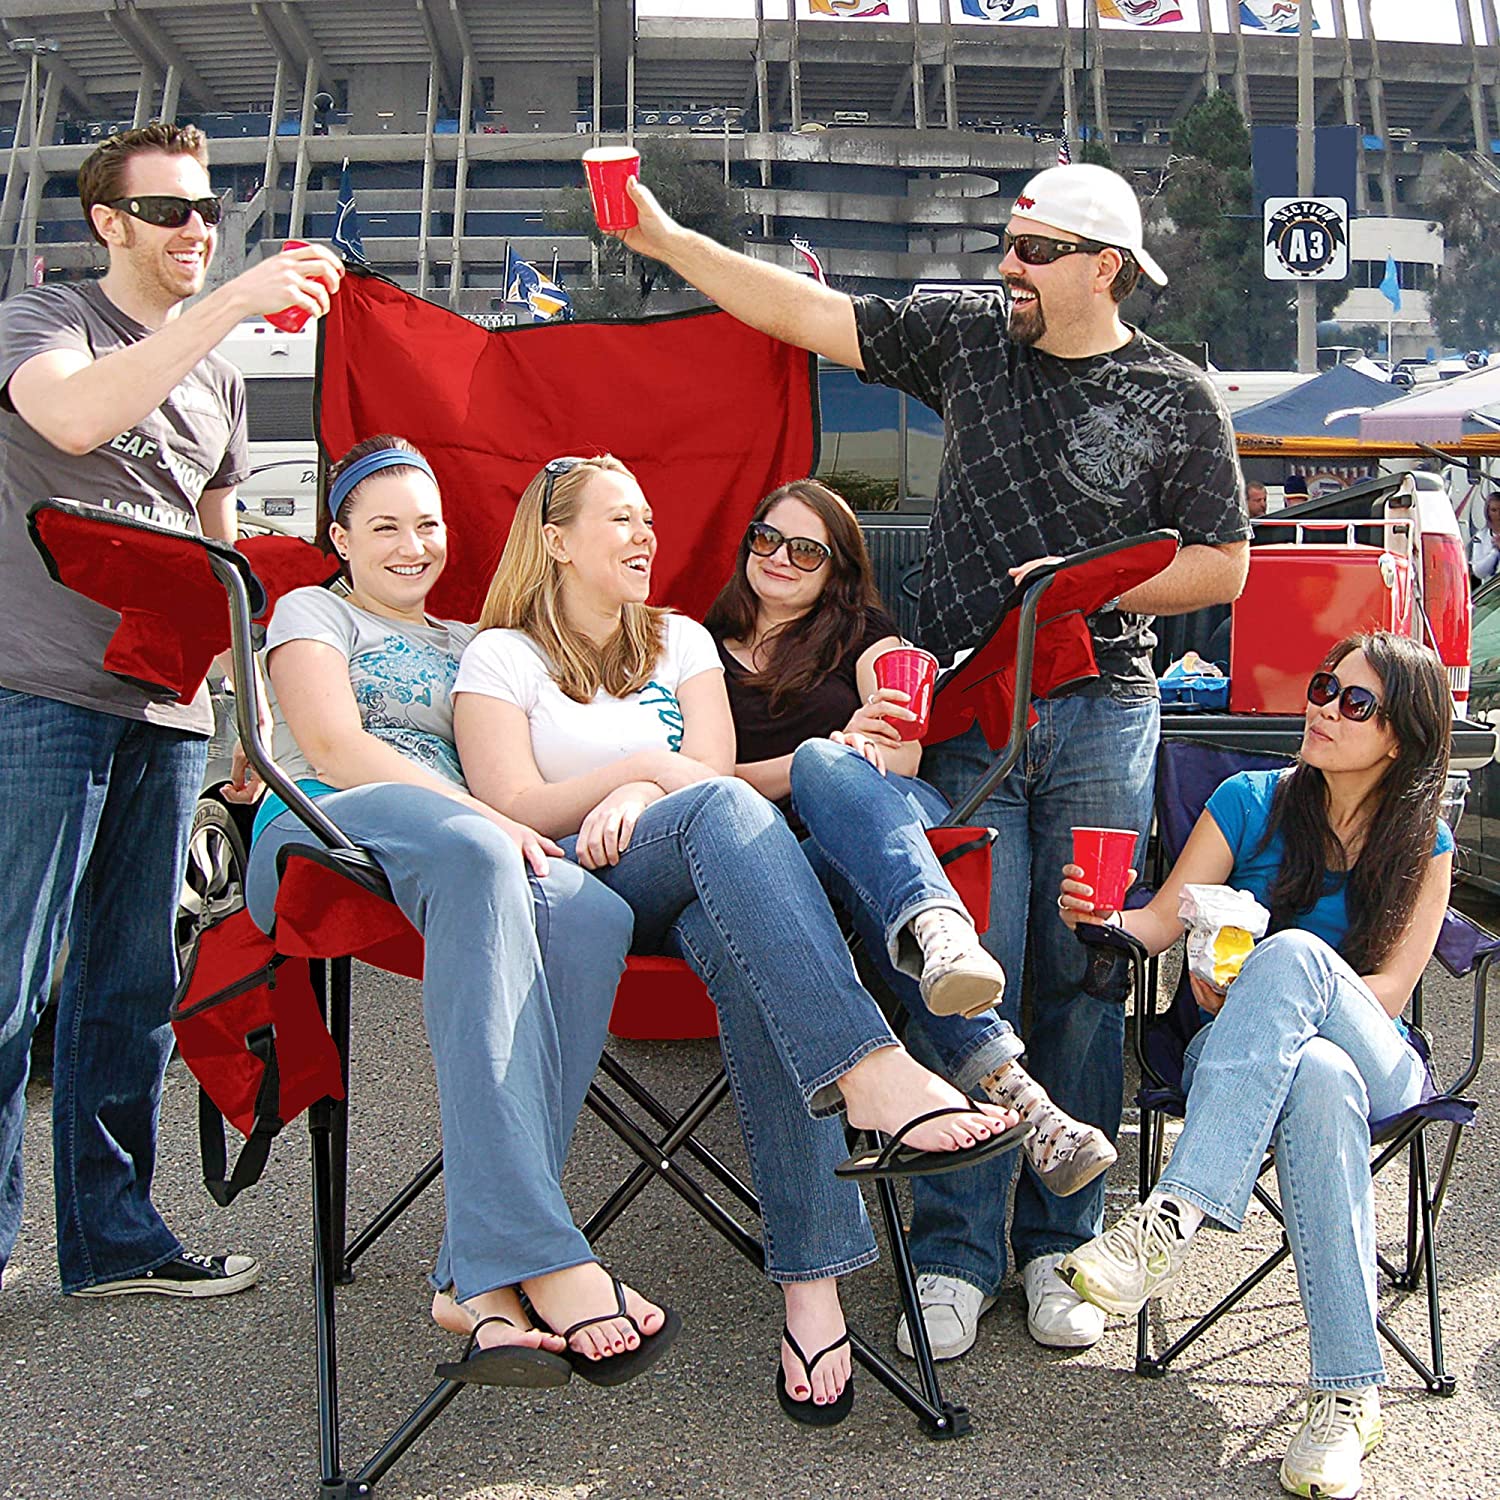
402,676
52,640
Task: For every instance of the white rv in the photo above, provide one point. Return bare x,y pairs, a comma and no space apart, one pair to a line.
282,491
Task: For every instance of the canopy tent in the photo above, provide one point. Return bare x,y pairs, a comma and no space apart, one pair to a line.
1440,414
1328,406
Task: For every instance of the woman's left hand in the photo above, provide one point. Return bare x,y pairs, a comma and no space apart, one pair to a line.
861,744
605,834
1206,995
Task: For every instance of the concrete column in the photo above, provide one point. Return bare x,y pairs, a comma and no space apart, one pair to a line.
269,184
15,173
304,135
461,178
20,274
1096,71
145,93
1070,97
1241,73
794,73
950,75
1347,88
918,80
1478,124
429,129
1375,89
170,93
1211,62
1492,47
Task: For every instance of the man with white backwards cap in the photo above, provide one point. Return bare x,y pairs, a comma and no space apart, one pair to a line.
1064,429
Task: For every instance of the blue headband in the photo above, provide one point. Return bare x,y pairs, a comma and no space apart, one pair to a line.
372,463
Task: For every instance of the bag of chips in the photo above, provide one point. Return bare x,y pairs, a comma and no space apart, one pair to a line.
1223,926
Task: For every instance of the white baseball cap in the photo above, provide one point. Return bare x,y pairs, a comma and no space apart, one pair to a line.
1093,203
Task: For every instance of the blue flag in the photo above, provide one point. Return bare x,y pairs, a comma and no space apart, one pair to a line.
1391,285
524,283
347,239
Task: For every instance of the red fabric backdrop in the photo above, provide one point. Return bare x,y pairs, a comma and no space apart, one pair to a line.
709,415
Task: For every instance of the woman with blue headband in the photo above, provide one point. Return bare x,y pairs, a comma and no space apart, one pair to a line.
523,948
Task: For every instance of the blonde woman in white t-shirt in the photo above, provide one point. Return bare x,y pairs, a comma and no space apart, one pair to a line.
523,949
603,722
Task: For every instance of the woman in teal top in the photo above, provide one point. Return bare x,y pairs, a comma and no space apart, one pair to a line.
1306,1047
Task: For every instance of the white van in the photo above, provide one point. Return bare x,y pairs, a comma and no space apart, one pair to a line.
282,491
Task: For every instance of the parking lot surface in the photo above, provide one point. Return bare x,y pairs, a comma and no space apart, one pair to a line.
142,1397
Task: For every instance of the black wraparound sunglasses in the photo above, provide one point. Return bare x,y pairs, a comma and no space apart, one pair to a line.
1357,703
555,471
1042,249
168,212
802,552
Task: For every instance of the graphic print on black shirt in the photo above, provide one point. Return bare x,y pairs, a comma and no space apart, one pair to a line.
1045,457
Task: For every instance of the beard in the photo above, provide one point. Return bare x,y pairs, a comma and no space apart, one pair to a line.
1026,323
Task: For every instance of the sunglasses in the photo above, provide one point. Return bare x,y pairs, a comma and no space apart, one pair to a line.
1042,250
1356,703
167,212
555,471
804,554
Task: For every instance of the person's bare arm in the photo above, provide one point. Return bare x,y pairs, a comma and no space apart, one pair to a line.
1392,985
1199,575
78,403
795,309
218,515
707,727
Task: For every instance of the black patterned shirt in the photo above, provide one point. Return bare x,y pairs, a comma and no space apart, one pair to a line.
1043,457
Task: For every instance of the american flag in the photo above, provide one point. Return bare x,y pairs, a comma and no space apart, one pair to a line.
1064,151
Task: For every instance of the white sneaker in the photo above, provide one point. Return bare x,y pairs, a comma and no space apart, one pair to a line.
1056,1316
1324,1455
951,1310
1123,1268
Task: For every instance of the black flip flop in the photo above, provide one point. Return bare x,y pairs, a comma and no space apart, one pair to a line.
808,1412
616,1369
506,1364
897,1160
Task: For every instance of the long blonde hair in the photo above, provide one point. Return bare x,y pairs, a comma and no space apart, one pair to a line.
526,594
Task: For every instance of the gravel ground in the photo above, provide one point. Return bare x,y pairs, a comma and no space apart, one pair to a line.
143,1397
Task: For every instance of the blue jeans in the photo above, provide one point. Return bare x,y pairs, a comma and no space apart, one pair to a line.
1301,1058
519,977
92,845
1088,762
869,847
715,876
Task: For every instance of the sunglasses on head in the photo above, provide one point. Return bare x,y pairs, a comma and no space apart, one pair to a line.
802,552
555,471
167,212
1042,250
1357,703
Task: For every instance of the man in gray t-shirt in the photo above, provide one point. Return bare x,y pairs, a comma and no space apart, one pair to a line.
111,394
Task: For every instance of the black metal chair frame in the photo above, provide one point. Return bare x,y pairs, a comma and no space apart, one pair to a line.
658,1137
1160,1101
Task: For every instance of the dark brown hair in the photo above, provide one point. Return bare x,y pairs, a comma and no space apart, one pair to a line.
101,178
1401,826
805,650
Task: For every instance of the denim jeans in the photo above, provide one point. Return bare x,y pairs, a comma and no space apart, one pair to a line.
868,845
715,876
1301,1058
92,845
1088,762
518,980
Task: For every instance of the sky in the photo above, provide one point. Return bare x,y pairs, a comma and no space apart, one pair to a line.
1392,20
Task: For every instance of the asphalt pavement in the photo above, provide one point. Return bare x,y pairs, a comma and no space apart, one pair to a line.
146,1397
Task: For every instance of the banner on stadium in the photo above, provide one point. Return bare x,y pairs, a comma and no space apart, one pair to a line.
1271,15
848,10
1001,10
1140,12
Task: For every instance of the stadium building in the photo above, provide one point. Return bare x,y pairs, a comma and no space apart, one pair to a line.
892,144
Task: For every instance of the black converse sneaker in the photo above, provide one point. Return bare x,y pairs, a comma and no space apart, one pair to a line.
188,1276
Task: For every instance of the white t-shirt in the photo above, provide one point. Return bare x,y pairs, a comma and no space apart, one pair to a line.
567,738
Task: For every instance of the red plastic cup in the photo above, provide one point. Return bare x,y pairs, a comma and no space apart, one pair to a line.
290,319
912,671
1105,854
609,168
